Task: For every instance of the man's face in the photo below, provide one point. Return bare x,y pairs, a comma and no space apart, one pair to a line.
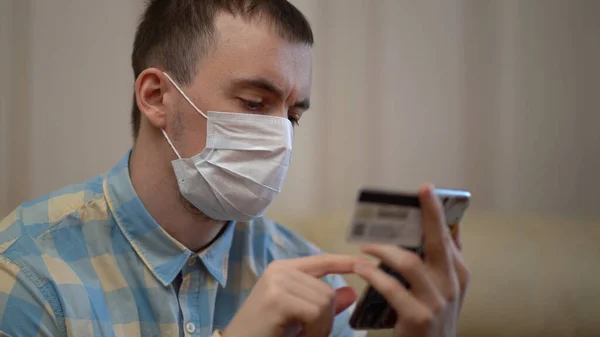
249,70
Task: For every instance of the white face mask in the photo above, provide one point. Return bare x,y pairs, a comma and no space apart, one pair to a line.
242,168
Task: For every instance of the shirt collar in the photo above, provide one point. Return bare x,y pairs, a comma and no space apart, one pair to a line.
216,257
164,256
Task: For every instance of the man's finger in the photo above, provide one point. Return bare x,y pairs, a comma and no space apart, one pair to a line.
462,272
437,238
408,264
325,264
344,297
456,236
398,297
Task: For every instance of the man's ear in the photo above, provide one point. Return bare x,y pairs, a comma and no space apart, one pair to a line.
151,91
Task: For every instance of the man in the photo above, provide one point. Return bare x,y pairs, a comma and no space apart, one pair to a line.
172,241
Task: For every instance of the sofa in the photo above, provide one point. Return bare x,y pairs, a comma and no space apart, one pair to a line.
532,275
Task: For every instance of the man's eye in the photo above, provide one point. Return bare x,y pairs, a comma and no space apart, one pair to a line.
252,105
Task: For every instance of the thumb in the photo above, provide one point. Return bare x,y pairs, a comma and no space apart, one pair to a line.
344,297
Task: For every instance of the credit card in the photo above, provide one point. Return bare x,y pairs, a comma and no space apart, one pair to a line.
395,218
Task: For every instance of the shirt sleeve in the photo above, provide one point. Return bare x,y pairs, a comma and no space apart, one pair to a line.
24,311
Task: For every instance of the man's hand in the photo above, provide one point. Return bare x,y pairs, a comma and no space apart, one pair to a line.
290,300
438,284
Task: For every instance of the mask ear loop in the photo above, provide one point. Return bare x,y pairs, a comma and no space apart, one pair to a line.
189,101
184,95
170,143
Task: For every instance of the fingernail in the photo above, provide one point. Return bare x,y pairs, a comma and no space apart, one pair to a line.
428,189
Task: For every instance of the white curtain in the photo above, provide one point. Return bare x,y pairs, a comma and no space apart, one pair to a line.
65,115
14,109
500,97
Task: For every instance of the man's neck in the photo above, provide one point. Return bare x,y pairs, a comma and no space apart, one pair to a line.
154,181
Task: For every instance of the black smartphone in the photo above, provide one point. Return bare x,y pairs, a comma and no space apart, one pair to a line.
394,218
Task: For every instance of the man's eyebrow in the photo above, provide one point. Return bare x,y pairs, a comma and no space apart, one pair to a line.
259,83
303,104
266,85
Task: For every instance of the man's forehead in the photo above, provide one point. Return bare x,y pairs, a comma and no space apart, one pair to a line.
254,48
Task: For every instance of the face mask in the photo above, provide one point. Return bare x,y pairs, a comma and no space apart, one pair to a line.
242,168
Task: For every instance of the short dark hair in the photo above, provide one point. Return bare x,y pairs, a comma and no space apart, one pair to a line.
173,34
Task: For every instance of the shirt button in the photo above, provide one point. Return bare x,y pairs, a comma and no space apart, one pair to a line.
191,261
190,327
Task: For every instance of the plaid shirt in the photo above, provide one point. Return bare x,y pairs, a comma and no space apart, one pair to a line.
89,260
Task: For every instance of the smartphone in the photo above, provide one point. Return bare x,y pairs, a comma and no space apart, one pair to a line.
394,218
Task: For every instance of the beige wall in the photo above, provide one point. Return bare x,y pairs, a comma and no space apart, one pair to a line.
499,97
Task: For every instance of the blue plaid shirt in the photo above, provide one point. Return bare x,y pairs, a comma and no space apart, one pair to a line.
89,260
